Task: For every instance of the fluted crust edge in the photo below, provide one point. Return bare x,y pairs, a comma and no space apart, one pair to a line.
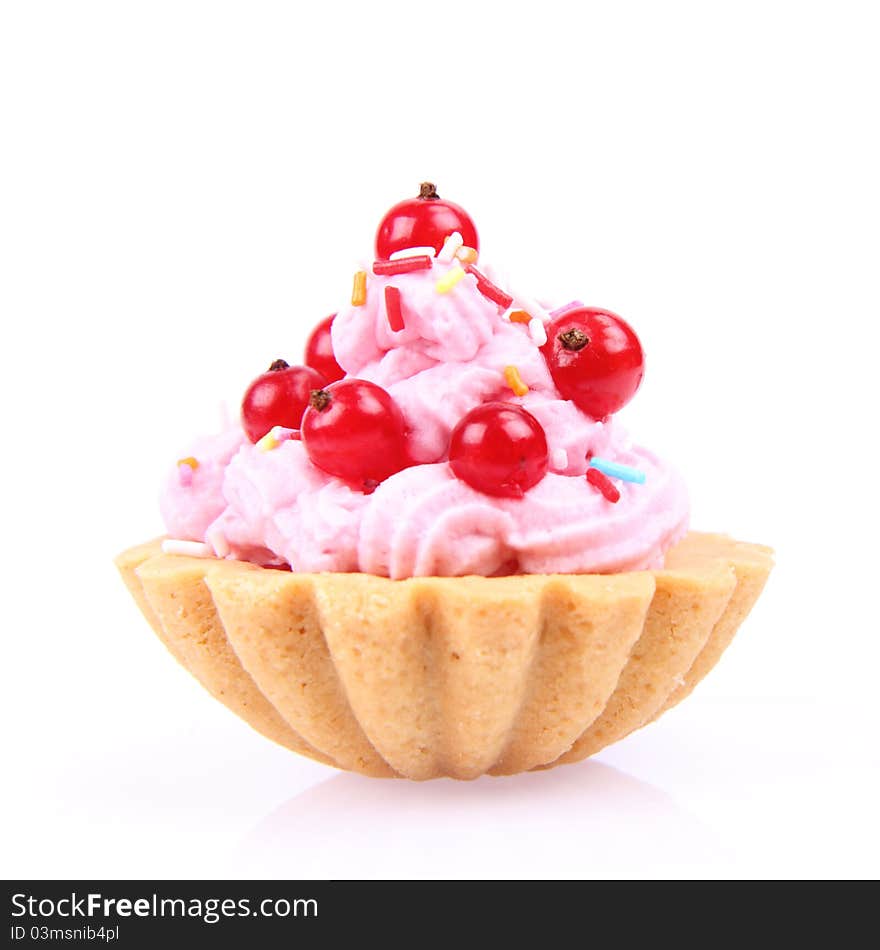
432,677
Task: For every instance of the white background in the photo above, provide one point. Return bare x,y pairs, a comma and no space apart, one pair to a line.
184,189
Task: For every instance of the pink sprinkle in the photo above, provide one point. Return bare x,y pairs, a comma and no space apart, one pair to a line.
489,290
559,311
393,310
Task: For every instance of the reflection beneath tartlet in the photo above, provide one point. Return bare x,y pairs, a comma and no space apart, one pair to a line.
586,820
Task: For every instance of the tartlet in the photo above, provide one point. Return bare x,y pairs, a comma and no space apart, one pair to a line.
446,559
435,676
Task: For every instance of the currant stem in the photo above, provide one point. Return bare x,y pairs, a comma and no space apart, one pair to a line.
574,339
278,365
428,191
320,399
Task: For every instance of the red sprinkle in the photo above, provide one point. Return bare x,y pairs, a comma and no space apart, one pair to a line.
392,308
488,289
601,481
404,265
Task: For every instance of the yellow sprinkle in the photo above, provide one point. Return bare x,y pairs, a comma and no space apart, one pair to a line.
449,280
189,460
268,442
514,380
359,290
467,255
519,316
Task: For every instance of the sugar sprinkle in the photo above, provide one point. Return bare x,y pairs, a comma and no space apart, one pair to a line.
604,485
393,309
450,247
535,310
405,252
489,290
537,331
188,548
565,308
515,381
275,436
359,289
449,279
404,265
626,473
185,469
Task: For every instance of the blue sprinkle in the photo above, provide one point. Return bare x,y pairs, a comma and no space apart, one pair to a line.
625,473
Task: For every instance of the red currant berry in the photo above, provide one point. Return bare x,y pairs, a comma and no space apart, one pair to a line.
278,398
319,352
425,221
354,430
499,449
595,359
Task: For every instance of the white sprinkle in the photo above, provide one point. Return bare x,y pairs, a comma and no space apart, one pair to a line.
498,278
530,305
559,460
537,331
218,541
537,311
190,548
413,252
450,246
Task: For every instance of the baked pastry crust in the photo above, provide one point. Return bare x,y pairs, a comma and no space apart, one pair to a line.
449,676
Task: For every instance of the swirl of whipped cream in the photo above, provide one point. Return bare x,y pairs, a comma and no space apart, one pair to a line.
446,327
281,509
277,508
449,358
425,521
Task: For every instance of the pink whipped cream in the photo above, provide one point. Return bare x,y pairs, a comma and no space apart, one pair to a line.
276,508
